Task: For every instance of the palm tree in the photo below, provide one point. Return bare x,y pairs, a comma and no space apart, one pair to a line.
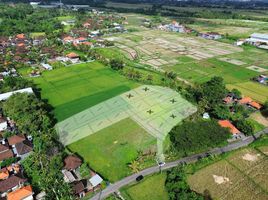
134,166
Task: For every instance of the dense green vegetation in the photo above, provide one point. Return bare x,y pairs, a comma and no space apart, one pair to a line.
22,18
43,166
193,137
177,186
14,83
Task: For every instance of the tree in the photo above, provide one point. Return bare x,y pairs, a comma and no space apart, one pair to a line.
245,126
213,91
116,64
177,187
196,136
265,109
221,112
237,93
134,166
25,109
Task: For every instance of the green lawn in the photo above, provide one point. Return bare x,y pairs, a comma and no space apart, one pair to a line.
73,89
109,150
152,187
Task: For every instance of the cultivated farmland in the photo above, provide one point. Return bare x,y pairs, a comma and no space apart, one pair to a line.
109,150
73,89
156,109
242,175
152,187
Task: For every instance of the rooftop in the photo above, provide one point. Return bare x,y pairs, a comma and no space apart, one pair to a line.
72,162
228,124
15,139
21,193
10,183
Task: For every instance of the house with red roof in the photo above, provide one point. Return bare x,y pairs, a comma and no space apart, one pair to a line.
24,193
230,126
249,102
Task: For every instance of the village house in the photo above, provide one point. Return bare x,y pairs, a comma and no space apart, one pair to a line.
236,134
10,184
15,139
23,149
68,40
173,27
73,57
211,35
46,66
262,79
5,152
72,162
24,193
250,103
258,39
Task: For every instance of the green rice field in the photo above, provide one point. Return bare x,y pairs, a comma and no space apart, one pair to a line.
111,149
152,187
73,89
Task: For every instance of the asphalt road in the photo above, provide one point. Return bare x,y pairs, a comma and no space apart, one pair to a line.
127,180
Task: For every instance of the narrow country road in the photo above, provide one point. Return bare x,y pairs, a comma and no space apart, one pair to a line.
127,180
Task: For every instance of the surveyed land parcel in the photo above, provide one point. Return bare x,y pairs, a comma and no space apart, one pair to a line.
156,109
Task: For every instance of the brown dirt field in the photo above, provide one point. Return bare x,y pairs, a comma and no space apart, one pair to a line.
238,186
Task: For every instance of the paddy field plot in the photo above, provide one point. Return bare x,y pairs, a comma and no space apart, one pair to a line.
73,89
152,187
242,175
110,150
158,49
156,109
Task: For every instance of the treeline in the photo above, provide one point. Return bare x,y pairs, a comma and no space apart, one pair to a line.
21,18
43,166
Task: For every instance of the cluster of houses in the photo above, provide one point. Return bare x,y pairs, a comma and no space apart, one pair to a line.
80,186
13,149
174,27
248,102
179,28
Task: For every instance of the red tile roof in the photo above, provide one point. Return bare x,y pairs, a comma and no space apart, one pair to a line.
4,174
72,55
24,147
6,154
72,162
20,36
15,139
256,105
228,124
21,193
245,100
10,183
3,148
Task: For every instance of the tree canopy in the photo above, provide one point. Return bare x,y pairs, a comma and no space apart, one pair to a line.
177,187
195,136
